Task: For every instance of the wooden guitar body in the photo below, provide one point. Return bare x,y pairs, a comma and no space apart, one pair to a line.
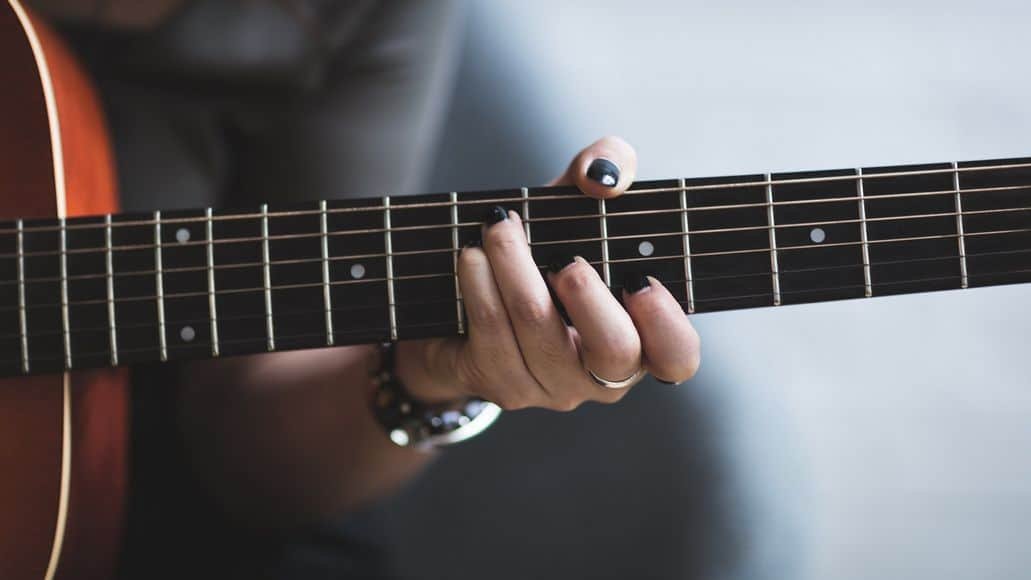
62,436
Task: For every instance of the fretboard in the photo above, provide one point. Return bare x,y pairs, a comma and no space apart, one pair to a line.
171,286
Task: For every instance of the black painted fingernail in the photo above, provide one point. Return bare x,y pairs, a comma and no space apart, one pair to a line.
604,172
559,262
634,282
496,214
475,243
670,383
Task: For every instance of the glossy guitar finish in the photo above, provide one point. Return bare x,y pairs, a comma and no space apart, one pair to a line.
62,436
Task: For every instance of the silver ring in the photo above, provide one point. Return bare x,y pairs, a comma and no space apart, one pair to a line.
616,384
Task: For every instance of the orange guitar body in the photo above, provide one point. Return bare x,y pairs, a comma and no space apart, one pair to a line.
63,438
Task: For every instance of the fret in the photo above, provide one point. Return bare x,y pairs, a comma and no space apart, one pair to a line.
424,283
639,228
22,320
327,298
86,316
525,194
135,268
996,200
358,274
960,239
209,237
821,255
237,261
65,326
300,300
774,269
903,266
110,275
864,235
41,246
686,228
267,280
389,249
459,312
187,284
731,269
13,329
159,287
603,228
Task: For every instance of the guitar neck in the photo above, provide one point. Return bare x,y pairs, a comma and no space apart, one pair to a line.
134,288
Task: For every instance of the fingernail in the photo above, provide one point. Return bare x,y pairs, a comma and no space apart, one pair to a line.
559,262
476,243
670,383
496,214
604,172
634,282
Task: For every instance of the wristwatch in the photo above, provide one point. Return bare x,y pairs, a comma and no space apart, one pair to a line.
409,422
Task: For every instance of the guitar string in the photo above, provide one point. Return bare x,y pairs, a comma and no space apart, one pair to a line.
445,228
782,249
283,314
408,304
865,176
450,249
365,331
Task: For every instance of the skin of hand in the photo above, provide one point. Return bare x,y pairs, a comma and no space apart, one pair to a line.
519,353
282,439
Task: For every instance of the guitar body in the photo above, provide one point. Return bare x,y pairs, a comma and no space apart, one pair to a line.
62,437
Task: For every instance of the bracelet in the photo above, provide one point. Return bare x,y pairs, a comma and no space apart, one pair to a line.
409,422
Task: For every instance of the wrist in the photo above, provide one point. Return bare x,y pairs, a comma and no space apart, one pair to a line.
418,364
412,421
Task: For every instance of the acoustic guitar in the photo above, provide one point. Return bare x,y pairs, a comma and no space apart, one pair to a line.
86,291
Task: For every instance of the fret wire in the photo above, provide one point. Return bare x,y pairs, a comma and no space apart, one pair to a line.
725,276
685,226
209,234
388,246
578,240
459,311
525,194
864,235
961,239
631,192
22,313
950,192
603,224
266,271
65,322
109,266
159,287
774,270
327,298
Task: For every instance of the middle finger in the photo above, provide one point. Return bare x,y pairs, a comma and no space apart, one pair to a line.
547,345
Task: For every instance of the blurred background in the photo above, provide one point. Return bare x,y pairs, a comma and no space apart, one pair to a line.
888,438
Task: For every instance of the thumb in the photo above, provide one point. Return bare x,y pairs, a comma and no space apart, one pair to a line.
604,169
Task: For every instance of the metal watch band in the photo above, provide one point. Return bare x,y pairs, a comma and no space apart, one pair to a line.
409,422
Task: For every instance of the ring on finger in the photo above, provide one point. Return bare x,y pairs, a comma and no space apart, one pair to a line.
620,384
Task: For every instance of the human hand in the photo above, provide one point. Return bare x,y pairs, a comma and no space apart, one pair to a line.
518,352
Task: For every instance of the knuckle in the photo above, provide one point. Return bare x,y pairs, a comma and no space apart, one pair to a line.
612,396
486,315
510,401
577,279
470,259
507,243
565,404
532,310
